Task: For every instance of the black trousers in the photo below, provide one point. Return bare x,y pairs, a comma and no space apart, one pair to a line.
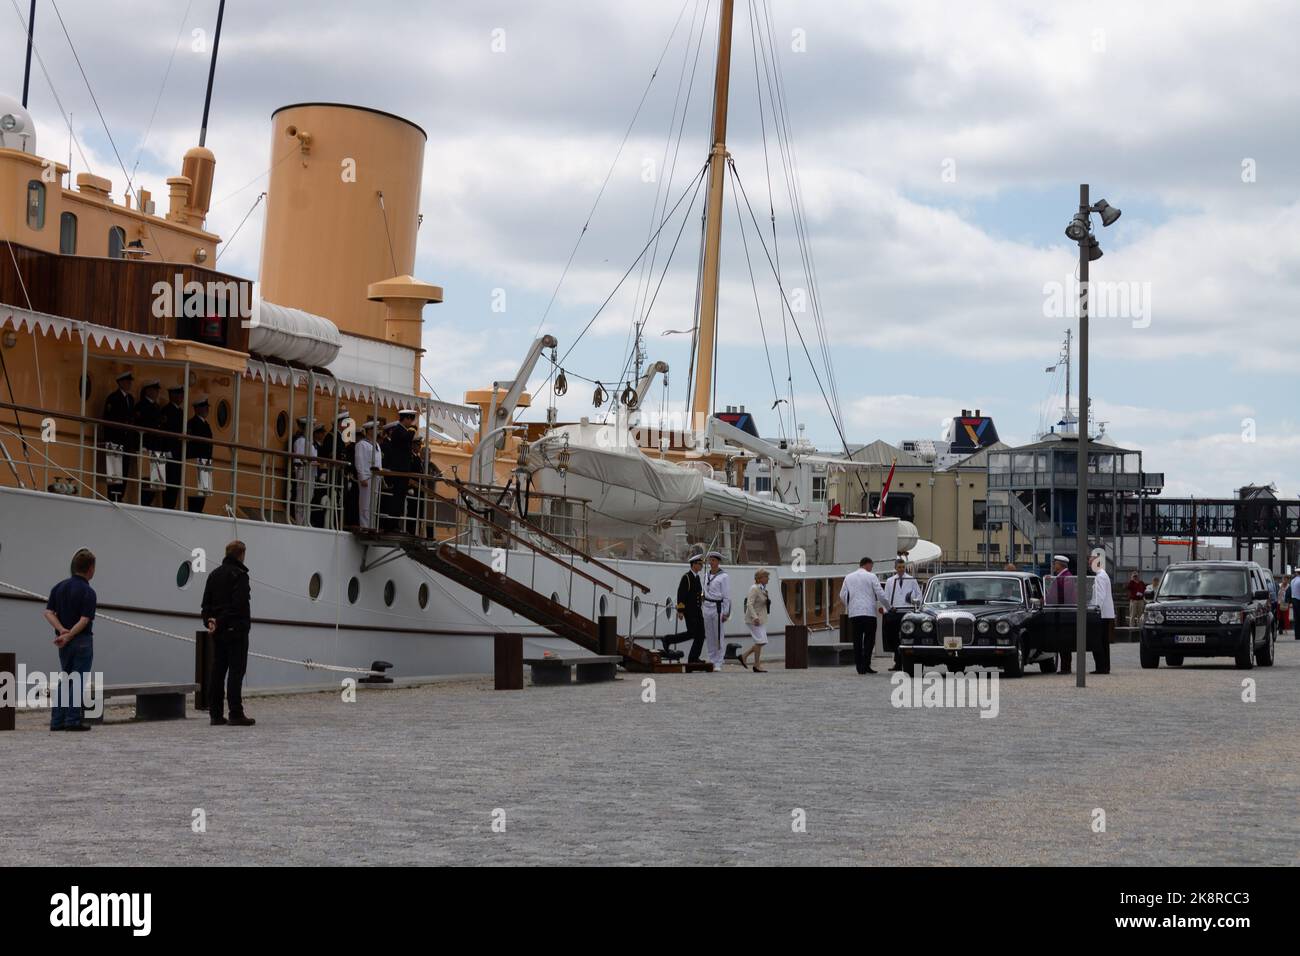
229,663
891,630
1098,646
173,492
864,640
195,503
694,634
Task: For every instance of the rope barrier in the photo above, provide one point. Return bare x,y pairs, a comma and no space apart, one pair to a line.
309,664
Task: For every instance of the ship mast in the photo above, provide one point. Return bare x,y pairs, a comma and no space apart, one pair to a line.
701,400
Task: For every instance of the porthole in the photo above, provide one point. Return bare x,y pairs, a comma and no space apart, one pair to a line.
555,597
223,413
36,204
183,574
487,605
636,605
281,424
424,596
390,593
668,609
354,591
603,605
313,586
86,385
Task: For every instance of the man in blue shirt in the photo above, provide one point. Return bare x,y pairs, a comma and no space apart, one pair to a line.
71,612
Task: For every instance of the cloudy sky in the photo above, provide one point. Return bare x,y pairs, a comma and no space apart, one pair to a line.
938,149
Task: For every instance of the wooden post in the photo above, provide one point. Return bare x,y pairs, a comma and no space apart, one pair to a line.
9,711
796,647
607,634
203,650
509,661
846,632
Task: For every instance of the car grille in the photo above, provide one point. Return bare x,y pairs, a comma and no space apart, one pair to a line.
1192,615
963,627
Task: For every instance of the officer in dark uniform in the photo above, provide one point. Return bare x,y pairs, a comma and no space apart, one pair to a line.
398,457
335,451
199,451
690,608
173,420
148,414
119,407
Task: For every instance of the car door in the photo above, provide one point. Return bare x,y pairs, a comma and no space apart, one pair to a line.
1258,608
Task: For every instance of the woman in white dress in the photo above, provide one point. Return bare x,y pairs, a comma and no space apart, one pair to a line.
757,606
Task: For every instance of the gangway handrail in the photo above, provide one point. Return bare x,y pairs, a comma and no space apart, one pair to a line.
549,537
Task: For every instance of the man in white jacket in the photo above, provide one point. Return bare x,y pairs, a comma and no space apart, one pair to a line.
1104,600
368,457
863,598
717,608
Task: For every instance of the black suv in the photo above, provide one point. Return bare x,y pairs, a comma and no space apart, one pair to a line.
1209,609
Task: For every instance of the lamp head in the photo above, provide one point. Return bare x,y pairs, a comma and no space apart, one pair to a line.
1094,249
1107,212
1077,229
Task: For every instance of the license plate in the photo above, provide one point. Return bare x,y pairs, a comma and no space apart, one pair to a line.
1190,639
952,643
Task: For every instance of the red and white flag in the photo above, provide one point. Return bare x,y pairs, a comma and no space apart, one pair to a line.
884,494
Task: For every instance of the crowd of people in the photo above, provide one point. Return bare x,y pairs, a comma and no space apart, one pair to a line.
332,471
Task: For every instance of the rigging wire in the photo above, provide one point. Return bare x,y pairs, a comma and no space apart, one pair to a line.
226,245
699,179
161,87
610,173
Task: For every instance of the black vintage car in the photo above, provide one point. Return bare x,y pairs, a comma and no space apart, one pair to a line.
1209,609
993,618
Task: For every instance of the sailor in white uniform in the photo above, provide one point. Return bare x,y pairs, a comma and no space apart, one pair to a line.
368,457
301,446
901,593
717,608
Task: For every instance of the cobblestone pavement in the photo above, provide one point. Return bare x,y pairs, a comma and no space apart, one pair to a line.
710,773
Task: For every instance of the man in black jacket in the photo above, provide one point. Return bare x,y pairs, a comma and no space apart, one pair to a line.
173,420
690,608
148,414
119,443
199,452
227,615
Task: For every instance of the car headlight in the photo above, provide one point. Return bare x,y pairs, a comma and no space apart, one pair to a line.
1230,617
927,626
1156,617
1004,627
908,627
982,627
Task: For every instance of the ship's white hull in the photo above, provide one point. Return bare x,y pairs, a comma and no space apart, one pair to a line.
140,552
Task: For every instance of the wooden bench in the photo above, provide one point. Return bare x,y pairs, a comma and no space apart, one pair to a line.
153,701
550,671
829,655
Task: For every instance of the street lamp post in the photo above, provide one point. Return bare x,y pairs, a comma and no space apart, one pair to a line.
1080,230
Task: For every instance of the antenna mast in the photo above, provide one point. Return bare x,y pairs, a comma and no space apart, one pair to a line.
27,70
212,73
702,400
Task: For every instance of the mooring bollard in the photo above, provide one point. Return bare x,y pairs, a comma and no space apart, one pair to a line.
9,707
796,647
508,653
607,634
203,650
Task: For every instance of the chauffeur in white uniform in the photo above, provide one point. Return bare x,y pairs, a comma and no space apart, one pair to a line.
901,593
717,608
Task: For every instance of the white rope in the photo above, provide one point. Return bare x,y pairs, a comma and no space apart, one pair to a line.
308,663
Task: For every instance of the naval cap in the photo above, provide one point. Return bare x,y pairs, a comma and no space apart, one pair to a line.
715,554
125,376
201,402
1060,557
697,556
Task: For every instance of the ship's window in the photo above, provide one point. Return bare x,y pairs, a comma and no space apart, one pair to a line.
819,489
390,593
636,605
183,574
68,234
603,605
313,586
36,204
281,424
555,597
86,386
487,605
668,609
116,242
424,596
223,413
354,591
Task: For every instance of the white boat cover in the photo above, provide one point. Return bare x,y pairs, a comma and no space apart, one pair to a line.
292,335
606,467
